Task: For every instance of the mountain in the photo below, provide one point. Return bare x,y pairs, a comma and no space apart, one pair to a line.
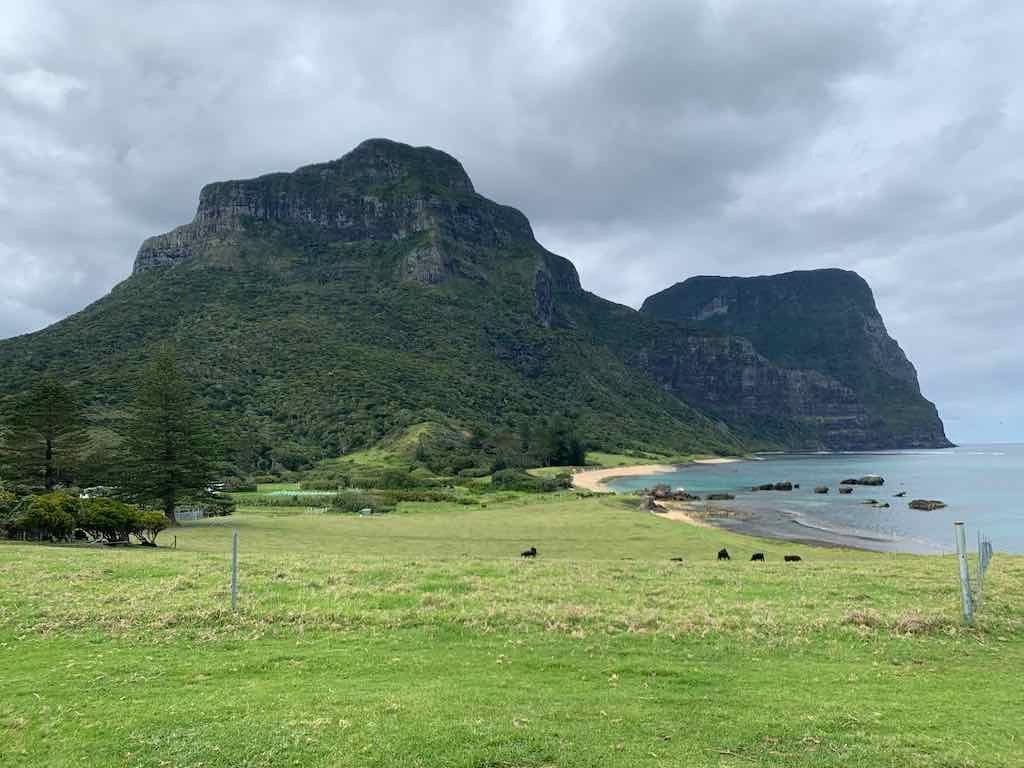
848,379
323,309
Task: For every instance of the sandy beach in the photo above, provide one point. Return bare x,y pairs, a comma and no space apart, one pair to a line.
764,522
595,479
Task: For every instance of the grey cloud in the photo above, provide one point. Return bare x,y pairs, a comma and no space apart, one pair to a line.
646,142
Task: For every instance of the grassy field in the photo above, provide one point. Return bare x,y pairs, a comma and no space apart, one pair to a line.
420,638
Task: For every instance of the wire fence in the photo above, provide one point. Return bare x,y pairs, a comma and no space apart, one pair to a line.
972,591
984,559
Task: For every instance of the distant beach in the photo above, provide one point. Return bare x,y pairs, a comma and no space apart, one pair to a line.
597,479
979,484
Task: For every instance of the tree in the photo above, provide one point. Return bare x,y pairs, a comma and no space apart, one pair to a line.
169,444
555,443
47,434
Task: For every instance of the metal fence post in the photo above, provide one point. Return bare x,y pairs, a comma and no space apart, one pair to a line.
234,571
965,576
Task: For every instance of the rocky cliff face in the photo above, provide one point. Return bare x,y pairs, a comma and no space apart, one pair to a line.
382,190
814,349
326,306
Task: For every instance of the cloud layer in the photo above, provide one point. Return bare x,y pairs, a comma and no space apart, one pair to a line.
647,143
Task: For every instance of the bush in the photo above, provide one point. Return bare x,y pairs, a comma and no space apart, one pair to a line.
57,515
518,480
148,525
108,519
322,485
381,477
426,495
10,508
48,516
356,501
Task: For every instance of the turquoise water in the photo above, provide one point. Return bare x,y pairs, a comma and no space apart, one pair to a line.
983,485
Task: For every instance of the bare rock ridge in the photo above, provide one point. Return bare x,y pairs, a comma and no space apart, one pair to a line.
381,190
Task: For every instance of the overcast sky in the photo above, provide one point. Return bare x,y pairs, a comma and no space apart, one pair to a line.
647,142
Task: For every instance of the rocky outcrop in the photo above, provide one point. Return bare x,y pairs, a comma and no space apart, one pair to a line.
381,190
726,376
872,480
809,347
926,505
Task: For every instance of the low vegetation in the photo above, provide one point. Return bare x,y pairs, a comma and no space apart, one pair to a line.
61,517
421,637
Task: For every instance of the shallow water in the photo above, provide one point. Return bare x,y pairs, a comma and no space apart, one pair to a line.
983,485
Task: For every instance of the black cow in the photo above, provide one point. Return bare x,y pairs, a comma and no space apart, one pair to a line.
723,554
792,558
531,552
758,556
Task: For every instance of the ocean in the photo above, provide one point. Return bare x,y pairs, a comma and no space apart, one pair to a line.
983,485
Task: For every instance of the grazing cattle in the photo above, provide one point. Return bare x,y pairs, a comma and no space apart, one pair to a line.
531,552
757,556
723,554
792,558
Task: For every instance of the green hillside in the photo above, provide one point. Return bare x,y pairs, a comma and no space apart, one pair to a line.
304,348
322,310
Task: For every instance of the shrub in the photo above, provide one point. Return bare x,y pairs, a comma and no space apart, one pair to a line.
10,507
355,501
48,516
148,525
518,480
108,519
426,494
321,485
381,477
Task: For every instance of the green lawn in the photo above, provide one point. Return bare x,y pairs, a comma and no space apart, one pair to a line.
420,638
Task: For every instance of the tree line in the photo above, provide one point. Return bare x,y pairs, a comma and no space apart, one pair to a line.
167,451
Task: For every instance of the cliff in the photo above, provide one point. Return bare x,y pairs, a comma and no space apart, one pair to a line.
836,369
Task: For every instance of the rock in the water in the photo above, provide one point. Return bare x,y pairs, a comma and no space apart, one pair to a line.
821,489
927,505
846,489
720,497
783,486
866,480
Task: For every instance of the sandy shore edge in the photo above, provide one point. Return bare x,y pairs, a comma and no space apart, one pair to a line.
595,479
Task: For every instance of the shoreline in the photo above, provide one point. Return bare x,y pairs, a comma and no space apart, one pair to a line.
595,479
761,522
